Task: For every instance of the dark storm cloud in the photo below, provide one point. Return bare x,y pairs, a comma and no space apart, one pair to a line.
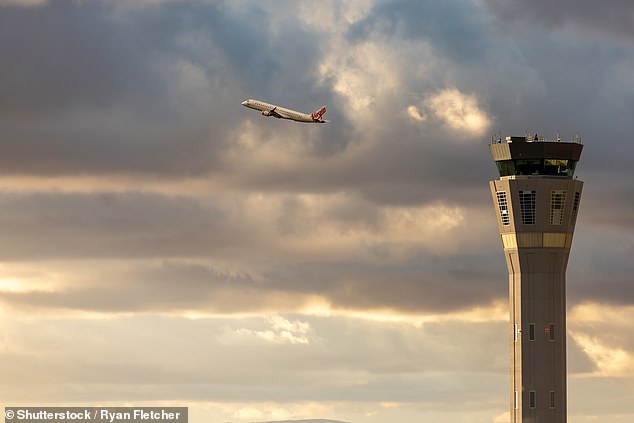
84,90
419,290
62,56
615,17
135,228
106,59
138,118
453,27
429,170
582,84
94,88
170,286
423,286
73,55
568,82
407,167
45,226
127,53
600,267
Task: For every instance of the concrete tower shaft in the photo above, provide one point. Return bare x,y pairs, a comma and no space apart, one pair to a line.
536,201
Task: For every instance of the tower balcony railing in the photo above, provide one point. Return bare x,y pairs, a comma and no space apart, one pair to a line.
534,138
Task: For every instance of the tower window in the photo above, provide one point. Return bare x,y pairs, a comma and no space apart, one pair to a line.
527,206
551,332
551,167
531,332
532,399
504,207
575,204
552,399
557,203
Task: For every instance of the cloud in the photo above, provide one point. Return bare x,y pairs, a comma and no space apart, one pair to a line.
453,29
150,224
459,112
53,69
614,18
334,16
609,361
415,113
281,331
235,252
362,76
23,3
140,349
451,109
342,372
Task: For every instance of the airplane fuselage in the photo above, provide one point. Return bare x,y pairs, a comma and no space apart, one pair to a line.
268,109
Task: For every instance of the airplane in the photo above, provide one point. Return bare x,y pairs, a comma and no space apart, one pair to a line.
282,113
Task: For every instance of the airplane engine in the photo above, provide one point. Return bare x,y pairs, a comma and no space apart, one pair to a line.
266,113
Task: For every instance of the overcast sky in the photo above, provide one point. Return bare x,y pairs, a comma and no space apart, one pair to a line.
160,244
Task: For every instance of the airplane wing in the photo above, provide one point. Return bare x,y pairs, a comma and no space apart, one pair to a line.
272,112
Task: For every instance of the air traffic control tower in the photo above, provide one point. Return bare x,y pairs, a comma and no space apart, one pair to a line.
536,203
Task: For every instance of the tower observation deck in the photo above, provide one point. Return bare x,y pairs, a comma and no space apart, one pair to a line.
536,202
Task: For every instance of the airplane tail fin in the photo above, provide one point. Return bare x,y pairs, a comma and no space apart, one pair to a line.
318,115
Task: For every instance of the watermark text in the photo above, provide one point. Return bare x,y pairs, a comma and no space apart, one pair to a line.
96,414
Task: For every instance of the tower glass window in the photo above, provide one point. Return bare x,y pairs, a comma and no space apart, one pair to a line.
557,167
547,167
552,399
532,399
527,206
557,204
504,207
575,204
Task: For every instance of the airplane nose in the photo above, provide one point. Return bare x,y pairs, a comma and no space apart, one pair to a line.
245,102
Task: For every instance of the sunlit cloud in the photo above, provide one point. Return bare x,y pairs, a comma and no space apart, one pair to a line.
23,3
591,312
280,331
22,278
416,114
362,75
602,331
495,312
334,16
610,361
459,111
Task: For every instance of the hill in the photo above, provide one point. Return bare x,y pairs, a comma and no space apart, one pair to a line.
306,421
